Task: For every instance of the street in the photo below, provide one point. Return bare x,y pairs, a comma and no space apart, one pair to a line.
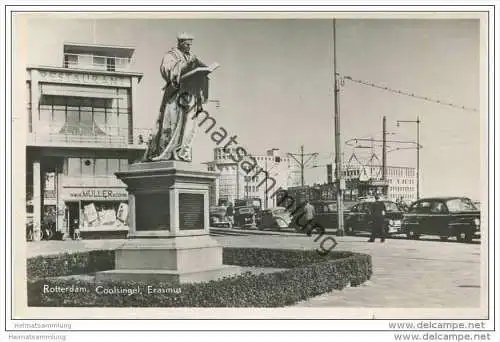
406,273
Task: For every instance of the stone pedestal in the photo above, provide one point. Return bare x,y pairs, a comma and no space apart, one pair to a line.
169,236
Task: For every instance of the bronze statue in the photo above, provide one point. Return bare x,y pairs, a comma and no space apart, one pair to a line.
185,92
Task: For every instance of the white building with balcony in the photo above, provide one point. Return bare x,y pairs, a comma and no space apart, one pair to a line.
234,183
80,132
401,180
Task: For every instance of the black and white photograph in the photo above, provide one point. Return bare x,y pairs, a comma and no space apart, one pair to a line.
330,166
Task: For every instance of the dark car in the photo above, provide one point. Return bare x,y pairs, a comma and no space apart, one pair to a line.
325,214
444,217
244,217
359,218
274,218
218,217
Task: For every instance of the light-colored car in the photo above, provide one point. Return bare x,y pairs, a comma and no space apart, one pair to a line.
275,218
218,217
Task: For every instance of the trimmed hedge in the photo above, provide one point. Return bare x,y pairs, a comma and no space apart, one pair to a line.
277,258
308,274
70,263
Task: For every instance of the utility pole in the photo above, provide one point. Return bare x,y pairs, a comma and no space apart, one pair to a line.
237,183
299,158
418,122
302,166
418,158
247,187
338,153
384,149
265,190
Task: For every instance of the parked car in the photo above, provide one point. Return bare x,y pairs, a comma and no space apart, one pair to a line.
274,218
359,218
325,217
254,202
218,217
244,217
444,217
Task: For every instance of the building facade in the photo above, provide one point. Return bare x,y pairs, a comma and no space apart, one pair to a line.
401,181
235,183
80,132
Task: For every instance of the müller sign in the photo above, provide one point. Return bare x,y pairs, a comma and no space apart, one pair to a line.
99,193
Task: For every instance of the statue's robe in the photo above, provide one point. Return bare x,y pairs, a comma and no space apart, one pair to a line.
175,128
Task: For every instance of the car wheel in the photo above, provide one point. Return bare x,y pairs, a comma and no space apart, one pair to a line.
468,237
349,230
48,234
443,238
460,236
410,234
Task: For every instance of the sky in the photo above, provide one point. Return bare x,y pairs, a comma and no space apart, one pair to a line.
275,84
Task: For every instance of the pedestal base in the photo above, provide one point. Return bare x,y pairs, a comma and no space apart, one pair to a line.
177,260
174,277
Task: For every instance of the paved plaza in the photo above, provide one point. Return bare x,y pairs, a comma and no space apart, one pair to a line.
406,273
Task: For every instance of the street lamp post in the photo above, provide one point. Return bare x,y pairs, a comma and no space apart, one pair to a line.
418,150
265,190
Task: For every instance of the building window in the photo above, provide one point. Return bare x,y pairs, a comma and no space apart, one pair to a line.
123,165
74,167
113,166
87,116
70,60
87,167
99,62
100,167
111,64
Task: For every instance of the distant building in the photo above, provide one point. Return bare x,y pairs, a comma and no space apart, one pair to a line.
213,191
401,181
235,183
80,132
362,182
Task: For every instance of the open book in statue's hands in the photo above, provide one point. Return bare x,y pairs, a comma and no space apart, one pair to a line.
203,70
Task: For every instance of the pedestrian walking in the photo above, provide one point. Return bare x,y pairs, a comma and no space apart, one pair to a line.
230,214
378,220
76,230
309,214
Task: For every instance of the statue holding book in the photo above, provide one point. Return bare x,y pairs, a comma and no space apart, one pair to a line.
185,92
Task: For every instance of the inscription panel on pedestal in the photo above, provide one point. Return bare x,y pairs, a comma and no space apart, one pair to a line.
191,211
152,211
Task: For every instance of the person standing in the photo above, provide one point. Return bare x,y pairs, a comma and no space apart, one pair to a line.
378,220
309,214
230,214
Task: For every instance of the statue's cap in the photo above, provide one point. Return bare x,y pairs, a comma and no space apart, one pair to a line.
184,36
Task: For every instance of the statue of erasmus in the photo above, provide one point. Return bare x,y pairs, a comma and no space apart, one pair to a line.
185,91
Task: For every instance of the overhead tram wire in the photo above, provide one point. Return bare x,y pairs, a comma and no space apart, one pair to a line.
405,93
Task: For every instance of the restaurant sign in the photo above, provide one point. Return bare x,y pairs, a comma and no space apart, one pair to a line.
98,194
84,78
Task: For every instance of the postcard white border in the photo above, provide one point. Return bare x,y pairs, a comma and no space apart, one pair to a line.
20,290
